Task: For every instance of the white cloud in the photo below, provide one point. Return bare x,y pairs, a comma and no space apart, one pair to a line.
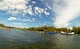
66,10
29,20
39,11
29,9
12,18
13,12
47,13
16,6
21,19
16,23
21,7
33,2
48,4
26,20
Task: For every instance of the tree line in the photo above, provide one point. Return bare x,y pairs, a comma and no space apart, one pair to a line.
46,28
10,27
74,29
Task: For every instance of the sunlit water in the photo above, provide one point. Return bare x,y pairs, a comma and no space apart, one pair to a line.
18,39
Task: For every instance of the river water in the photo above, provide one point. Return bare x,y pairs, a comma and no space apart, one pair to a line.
19,39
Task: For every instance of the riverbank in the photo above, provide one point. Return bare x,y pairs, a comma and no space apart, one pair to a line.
43,29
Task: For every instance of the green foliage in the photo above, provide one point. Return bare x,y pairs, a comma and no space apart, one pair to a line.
63,29
76,29
43,28
1,25
46,29
50,29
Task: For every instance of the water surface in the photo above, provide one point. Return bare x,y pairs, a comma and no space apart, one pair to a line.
19,39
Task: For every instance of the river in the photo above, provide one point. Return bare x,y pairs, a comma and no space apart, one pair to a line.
19,39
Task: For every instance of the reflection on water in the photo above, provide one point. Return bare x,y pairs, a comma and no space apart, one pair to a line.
18,39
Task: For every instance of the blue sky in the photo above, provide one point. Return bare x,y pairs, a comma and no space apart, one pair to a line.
33,13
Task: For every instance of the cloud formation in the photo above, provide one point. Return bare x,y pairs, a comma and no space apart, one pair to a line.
12,18
21,19
23,7
66,11
26,20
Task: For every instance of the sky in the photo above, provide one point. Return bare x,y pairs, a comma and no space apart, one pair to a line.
34,13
